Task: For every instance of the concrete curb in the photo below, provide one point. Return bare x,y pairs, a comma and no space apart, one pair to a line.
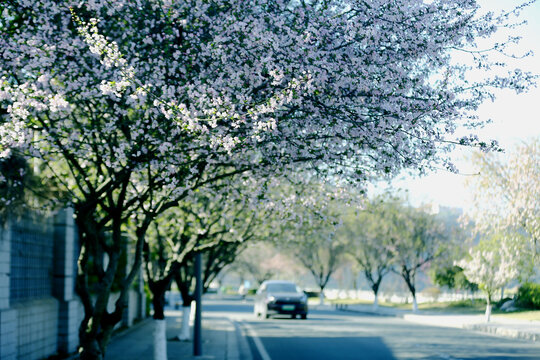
502,331
491,328
233,352
369,312
242,345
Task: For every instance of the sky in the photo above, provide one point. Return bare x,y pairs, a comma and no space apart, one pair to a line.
515,119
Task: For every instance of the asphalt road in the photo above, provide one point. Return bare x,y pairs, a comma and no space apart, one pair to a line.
329,334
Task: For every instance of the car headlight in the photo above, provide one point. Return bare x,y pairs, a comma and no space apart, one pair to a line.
270,298
304,298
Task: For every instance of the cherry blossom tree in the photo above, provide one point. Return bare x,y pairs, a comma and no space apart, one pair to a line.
207,223
22,189
132,113
510,186
492,264
217,223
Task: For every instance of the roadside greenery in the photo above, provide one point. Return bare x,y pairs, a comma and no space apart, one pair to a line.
528,296
461,307
508,228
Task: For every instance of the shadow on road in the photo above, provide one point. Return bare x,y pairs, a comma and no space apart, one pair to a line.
335,348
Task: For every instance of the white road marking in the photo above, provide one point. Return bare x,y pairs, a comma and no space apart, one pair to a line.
258,343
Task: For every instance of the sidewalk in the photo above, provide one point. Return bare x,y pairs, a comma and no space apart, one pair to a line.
221,340
514,328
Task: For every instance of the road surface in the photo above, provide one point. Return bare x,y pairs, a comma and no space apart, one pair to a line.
329,334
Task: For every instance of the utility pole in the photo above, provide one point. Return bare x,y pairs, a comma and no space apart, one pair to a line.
197,341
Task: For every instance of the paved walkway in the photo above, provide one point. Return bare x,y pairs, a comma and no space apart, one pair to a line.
514,328
220,341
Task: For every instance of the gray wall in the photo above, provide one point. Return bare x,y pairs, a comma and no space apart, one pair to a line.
39,310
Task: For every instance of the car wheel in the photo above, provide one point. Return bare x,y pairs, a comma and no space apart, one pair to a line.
303,316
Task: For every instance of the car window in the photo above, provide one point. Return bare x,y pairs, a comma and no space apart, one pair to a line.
281,287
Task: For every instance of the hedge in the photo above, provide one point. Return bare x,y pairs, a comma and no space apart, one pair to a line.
528,296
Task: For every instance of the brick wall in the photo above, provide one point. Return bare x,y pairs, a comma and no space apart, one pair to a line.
37,323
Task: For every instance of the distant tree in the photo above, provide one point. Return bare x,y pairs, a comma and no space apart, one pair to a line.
491,265
312,219
366,234
453,277
505,193
442,270
419,237
263,261
321,255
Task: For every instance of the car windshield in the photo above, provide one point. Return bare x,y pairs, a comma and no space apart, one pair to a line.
281,287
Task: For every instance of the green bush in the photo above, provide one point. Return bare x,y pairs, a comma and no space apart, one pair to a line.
528,296
467,303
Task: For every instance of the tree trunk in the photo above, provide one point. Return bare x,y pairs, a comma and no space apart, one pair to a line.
158,289
187,308
98,324
321,297
160,339
185,333
96,328
375,288
158,300
488,309
409,277
414,304
91,350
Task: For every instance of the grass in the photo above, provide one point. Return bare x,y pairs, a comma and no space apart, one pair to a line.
531,315
348,301
456,307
